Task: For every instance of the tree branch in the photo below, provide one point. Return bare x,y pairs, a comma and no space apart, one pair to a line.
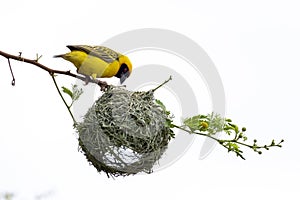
103,85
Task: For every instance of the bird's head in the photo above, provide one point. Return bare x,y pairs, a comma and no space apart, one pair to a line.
125,68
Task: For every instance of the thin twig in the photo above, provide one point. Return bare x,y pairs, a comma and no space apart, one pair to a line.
193,132
13,82
60,94
223,142
170,78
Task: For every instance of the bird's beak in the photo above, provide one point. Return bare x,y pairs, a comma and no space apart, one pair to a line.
124,76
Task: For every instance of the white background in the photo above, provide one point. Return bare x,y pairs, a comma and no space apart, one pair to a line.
255,46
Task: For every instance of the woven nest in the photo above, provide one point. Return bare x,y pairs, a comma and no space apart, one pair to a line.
124,132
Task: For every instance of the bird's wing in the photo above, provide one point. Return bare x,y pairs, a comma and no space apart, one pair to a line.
104,53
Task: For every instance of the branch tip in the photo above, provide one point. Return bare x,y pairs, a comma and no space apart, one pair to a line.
13,82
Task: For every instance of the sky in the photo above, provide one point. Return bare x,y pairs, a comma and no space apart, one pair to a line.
254,47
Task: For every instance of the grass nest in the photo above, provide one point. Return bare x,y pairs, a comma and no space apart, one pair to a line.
125,132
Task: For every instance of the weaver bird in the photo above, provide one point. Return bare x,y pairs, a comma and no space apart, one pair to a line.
98,62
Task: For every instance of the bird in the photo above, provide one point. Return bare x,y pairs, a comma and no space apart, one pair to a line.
98,62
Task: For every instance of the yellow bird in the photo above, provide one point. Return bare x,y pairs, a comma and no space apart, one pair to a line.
98,61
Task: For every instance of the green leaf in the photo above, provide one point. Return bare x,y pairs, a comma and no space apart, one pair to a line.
76,92
160,103
216,123
236,129
193,122
212,123
232,125
169,120
67,91
235,146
